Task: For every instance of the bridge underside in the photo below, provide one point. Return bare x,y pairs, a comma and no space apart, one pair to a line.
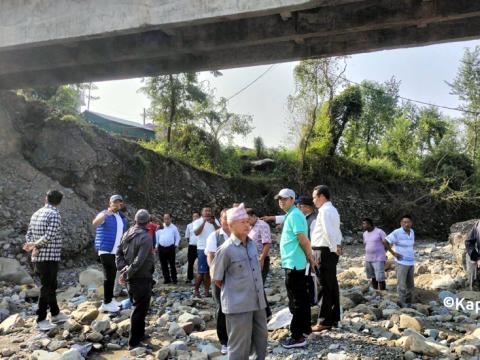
308,29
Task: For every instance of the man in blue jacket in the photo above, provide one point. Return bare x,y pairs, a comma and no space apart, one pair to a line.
110,224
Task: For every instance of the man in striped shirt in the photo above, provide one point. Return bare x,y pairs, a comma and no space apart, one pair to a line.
44,240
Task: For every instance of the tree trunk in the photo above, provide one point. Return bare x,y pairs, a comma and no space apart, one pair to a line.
173,108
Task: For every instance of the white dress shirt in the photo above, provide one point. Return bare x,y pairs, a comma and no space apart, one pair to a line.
190,235
327,228
167,236
211,245
207,230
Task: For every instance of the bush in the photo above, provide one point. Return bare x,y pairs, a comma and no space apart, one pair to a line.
455,167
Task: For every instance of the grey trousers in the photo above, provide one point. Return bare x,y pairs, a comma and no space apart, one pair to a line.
405,283
247,334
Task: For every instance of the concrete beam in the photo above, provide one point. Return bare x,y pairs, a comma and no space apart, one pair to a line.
28,22
262,54
240,33
338,29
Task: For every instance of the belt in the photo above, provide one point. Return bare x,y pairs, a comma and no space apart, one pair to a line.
320,247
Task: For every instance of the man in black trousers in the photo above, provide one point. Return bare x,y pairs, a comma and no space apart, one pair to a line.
326,246
168,240
44,239
134,261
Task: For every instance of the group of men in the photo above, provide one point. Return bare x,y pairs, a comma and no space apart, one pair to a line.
234,253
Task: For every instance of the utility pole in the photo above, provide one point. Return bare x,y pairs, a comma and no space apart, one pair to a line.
144,116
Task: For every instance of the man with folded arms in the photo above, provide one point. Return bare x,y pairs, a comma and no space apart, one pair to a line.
236,270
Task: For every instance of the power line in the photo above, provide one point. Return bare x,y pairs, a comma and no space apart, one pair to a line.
251,83
413,100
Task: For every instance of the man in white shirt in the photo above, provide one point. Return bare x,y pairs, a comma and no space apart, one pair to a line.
214,241
192,247
167,240
326,246
202,228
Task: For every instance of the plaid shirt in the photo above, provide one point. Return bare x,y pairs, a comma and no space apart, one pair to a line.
45,232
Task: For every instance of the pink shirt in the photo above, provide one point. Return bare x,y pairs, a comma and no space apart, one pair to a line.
260,234
374,249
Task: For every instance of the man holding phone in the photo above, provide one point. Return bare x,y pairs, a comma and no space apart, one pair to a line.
202,228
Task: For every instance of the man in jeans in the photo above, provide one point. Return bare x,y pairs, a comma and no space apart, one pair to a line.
134,260
214,241
403,239
44,240
296,252
110,226
192,247
168,240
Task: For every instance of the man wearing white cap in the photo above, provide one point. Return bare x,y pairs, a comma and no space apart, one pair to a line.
110,225
296,252
236,270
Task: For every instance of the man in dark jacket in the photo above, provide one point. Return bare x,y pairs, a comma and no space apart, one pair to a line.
472,244
135,260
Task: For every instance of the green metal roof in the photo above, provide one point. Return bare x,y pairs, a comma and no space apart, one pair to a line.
126,128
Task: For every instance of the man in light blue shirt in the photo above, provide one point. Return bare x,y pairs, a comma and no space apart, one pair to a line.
403,240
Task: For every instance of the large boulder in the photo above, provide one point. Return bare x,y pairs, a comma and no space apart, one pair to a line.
11,324
85,313
415,342
457,237
91,278
45,355
12,271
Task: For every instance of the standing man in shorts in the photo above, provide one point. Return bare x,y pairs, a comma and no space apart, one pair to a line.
375,254
202,228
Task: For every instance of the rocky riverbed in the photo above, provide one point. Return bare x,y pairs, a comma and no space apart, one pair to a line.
182,327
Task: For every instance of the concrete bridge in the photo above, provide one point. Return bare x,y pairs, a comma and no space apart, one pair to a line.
70,41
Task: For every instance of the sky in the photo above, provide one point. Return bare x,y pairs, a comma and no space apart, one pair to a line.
422,72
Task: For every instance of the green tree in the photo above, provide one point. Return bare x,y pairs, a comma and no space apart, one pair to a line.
65,99
172,99
362,138
223,125
431,128
88,90
343,109
316,83
259,146
466,86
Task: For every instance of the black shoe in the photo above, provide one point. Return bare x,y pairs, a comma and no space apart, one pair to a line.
147,337
174,282
167,282
291,343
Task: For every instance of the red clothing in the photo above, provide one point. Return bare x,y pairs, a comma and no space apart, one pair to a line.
151,228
